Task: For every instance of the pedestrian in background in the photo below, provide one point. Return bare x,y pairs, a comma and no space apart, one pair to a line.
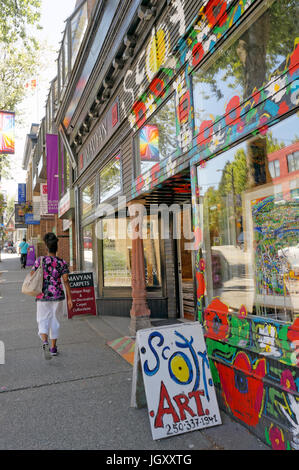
50,301
23,250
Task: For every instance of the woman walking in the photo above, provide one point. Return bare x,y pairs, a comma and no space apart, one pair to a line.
50,301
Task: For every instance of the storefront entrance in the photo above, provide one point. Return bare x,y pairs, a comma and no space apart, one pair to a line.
185,264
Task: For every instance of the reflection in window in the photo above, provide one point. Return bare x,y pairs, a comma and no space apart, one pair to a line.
274,168
249,62
293,161
78,27
110,179
117,252
157,139
88,244
88,199
251,232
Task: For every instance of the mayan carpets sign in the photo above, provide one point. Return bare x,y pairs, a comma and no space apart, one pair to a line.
177,379
52,173
83,294
7,132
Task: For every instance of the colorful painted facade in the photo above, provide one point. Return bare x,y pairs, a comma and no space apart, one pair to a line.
198,97
254,359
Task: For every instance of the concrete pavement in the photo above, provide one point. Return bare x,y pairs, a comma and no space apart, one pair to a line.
81,398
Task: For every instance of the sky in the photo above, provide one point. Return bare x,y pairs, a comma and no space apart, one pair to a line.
53,16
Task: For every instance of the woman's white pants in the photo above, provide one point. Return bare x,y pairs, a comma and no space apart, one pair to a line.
46,315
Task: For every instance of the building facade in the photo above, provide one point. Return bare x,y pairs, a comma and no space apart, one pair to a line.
170,116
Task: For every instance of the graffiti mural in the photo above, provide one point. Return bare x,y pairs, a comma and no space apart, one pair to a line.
177,378
253,360
254,370
254,115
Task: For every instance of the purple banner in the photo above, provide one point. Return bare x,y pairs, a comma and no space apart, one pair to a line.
52,172
30,256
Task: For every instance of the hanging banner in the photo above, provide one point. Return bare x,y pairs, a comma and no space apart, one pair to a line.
21,193
177,379
19,216
7,132
52,172
83,294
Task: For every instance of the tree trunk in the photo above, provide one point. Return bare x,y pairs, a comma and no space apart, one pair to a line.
251,50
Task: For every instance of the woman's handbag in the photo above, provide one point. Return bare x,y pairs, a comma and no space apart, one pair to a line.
33,284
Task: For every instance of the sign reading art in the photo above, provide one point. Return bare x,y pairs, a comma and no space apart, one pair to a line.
83,295
178,384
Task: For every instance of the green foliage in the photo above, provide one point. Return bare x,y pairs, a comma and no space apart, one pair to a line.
17,16
18,55
250,60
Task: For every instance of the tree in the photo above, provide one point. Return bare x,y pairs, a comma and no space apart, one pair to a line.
248,64
18,55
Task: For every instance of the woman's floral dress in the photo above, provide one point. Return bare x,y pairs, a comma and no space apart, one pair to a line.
53,268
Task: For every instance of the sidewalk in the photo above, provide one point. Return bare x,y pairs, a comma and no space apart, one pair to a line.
81,398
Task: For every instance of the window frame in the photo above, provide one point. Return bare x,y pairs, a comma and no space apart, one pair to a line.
136,153
107,162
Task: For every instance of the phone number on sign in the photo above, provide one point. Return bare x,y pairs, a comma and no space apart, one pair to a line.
190,424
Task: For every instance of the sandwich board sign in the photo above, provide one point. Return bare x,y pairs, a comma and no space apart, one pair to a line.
83,294
177,379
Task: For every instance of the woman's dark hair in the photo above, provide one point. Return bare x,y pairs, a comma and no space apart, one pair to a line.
51,242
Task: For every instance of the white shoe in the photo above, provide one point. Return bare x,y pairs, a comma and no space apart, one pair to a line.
46,351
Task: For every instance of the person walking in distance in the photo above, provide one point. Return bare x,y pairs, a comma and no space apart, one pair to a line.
50,301
23,250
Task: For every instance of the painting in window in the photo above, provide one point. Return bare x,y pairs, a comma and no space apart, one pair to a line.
157,140
251,230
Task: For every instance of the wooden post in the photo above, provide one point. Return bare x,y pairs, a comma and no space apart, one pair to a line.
140,313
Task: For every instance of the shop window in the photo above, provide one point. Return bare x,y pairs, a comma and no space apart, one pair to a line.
88,199
110,179
293,161
78,27
247,62
88,234
156,140
274,168
117,252
250,230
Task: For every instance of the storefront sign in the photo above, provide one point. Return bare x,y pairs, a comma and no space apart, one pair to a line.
101,134
178,384
29,219
83,294
19,216
21,193
52,172
44,200
66,204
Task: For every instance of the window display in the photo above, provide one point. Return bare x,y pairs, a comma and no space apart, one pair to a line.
117,252
251,232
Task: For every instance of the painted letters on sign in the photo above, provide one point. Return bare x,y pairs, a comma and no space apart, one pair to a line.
177,379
